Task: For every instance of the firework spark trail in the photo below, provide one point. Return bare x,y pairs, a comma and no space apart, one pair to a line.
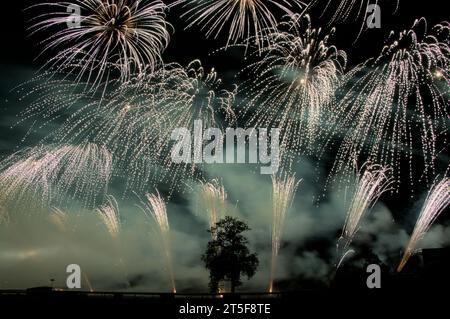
437,200
155,209
371,182
344,256
391,99
57,174
136,121
156,105
295,83
127,35
85,168
23,175
88,282
283,192
345,10
51,94
213,197
4,215
109,214
59,218
248,20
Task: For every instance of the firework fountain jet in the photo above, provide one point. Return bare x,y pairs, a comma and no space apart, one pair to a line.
155,209
109,214
283,192
60,219
213,197
437,200
371,182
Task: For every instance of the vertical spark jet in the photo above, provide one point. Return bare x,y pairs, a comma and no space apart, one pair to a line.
371,182
283,192
109,214
155,208
437,200
213,197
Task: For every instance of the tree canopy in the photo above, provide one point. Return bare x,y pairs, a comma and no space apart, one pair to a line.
227,256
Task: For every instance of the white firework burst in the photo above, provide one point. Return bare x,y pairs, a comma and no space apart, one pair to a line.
124,35
389,100
137,120
295,84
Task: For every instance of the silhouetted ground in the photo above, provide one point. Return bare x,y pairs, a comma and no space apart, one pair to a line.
306,304
421,287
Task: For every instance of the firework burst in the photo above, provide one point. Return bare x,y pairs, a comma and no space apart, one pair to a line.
295,83
155,209
394,96
283,192
137,120
124,34
371,182
437,200
391,99
248,20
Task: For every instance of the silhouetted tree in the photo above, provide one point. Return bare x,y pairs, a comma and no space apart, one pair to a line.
227,256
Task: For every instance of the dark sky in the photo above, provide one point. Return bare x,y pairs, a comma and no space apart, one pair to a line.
187,45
